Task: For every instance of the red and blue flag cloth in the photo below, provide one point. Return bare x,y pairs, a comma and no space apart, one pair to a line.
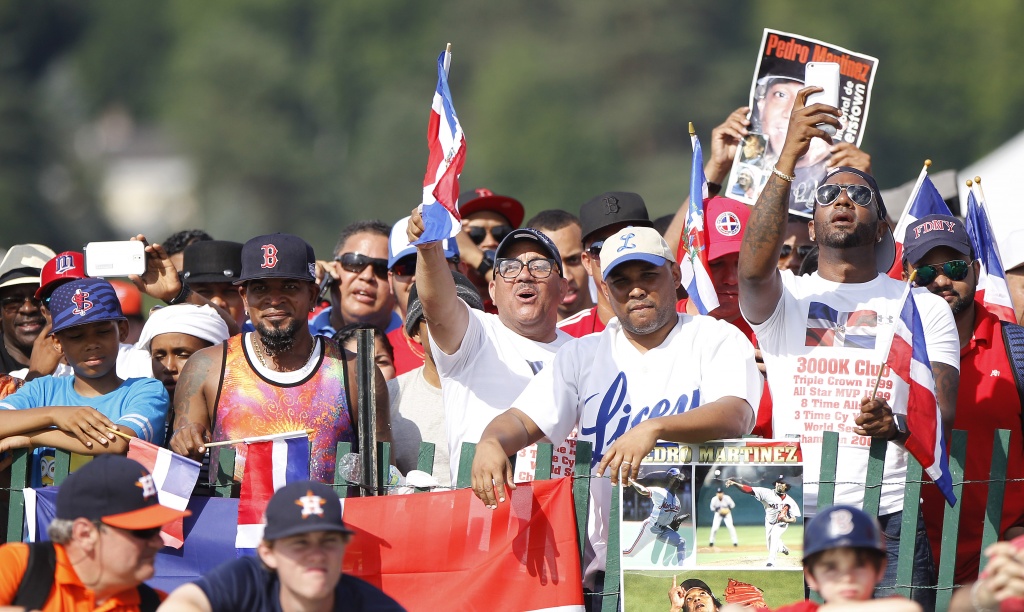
174,475
447,144
992,288
827,326
692,253
924,200
271,462
907,357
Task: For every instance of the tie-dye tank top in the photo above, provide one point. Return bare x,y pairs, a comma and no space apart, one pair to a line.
250,405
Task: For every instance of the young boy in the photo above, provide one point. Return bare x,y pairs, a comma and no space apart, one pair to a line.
74,412
844,558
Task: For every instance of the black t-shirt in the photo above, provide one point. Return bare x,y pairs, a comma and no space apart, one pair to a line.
245,585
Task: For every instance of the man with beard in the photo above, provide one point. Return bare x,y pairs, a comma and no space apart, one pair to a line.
652,374
563,228
22,319
939,249
278,378
817,333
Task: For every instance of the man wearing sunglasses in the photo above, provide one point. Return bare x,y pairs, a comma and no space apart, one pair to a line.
486,219
818,332
360,292
103,542
939,249
21,319
485,360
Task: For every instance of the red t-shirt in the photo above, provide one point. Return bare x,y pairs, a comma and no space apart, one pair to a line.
987,400
408,352
582,323
763,426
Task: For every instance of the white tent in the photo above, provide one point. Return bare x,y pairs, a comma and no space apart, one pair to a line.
1002,177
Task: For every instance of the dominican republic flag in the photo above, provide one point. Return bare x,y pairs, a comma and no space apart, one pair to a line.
692,253
175,477
827,326
924,200
992,289
447,143
522,554
907,356
271,463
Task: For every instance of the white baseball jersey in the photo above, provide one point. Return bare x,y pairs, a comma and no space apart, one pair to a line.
666,506
481,379
773,503
819,350
604,384
725,502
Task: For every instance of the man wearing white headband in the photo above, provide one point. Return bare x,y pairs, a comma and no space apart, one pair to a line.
173,333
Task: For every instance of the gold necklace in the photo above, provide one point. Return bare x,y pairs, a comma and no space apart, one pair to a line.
259,354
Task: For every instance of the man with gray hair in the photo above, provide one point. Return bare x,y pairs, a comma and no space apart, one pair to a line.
104,540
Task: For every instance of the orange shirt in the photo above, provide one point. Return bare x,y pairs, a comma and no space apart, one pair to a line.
69,593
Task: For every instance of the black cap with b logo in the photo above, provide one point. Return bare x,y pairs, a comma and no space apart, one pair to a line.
277,256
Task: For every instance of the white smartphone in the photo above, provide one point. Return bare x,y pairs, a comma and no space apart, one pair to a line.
826,76
121,258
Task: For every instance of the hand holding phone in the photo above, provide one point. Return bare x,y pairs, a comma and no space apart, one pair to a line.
118,258
826,76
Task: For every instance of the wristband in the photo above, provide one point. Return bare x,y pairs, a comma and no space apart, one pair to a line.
782,175
182,296
486,264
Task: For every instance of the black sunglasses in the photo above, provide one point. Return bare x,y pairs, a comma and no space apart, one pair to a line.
405,266
955,270
827,194
801,251
595,248
13,303
356,263
477,234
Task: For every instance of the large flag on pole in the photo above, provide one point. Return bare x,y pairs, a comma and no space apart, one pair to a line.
692,253
906,354
271,463
447,143
924,200
174,475
992,288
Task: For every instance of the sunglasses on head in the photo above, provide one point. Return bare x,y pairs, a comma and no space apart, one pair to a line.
477,234
801,251
827,194
356,263
955,270
595,248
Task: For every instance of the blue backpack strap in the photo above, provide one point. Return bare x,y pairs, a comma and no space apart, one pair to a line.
1013,338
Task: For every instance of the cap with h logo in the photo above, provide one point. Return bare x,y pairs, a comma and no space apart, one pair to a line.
634,244
303,507
277,256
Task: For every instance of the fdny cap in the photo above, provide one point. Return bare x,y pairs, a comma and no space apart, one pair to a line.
934,231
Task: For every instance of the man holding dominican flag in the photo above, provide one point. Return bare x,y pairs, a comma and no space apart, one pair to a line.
818,383
447,143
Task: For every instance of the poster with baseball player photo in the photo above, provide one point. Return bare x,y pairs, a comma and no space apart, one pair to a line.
743,535
778,76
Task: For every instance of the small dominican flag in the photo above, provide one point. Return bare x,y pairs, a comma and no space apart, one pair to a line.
175,477
907,356
271,463
827,326
447,143
992,288
924,200
692,253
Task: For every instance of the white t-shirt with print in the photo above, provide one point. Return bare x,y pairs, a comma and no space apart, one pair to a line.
481,379
819,350
606,385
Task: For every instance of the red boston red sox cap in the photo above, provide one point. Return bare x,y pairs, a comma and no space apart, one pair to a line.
277,256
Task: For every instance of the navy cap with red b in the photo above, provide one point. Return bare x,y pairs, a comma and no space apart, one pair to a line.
277,256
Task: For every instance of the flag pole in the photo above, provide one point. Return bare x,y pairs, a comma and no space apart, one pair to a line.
309,432
447,58
118,432
913,195
878,380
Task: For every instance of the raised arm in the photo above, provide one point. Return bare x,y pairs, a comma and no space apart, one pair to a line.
446,318
193,402
759,278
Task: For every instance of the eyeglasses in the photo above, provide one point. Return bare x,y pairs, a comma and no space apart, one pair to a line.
509,269
595,248
801,251
477,233
827,194
12,303
405,266
356,263
955,270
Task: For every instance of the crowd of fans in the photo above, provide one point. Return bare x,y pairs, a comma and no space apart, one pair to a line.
504,336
